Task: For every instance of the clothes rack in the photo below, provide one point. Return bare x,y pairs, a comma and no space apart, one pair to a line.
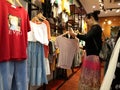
29,2
30,8
29,12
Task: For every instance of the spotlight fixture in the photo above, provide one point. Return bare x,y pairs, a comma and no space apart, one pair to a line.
102,8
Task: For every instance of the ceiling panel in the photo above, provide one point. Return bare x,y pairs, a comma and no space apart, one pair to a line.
110,7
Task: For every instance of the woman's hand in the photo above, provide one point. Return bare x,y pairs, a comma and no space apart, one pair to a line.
72,33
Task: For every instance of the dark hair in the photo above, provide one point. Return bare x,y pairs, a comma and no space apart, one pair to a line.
94,14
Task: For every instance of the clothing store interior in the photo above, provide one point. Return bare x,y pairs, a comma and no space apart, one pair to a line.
51,58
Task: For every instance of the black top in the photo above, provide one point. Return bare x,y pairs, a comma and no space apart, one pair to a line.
93,36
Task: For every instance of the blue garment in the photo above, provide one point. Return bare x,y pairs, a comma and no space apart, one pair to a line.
36,64
13,75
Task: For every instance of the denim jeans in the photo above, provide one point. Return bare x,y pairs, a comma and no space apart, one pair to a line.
36,64
13,75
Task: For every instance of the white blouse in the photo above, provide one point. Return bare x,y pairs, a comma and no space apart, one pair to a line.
38,33
107,81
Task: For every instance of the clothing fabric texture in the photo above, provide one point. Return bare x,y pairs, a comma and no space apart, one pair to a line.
90,73
110,46
14,25
38,33
4,46
116,80
13,32
52,55
95,33
13,75
48,28
77,59
36,64
68,49
41,33
47,66
113,69
46,48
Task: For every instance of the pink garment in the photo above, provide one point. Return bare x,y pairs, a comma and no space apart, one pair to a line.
90,73
68,48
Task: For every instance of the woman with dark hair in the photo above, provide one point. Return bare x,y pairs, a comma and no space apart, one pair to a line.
90,71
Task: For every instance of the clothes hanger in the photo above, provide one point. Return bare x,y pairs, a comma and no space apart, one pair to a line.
41,17
13,3
19,3
64,34
36,20
10,1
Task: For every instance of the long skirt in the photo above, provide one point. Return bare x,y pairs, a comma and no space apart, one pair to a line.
90,73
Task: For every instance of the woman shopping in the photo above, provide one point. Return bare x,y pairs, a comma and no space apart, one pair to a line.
90,72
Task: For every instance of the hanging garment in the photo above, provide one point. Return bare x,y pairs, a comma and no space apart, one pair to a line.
52,55
116,81
46,48
77,58
37,70
13,32
47,66
109,76
4,44
38,33
90,73
14,26
13,75
36,64
68,48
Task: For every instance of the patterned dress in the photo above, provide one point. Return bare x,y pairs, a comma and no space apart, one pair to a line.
90,73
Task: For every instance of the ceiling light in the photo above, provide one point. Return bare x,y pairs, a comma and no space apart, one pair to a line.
100,0
118,3
93,6
104,22
109,22
103,29
117,10
106,12
101,4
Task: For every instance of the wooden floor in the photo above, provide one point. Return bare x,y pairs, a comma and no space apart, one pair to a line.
71,83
